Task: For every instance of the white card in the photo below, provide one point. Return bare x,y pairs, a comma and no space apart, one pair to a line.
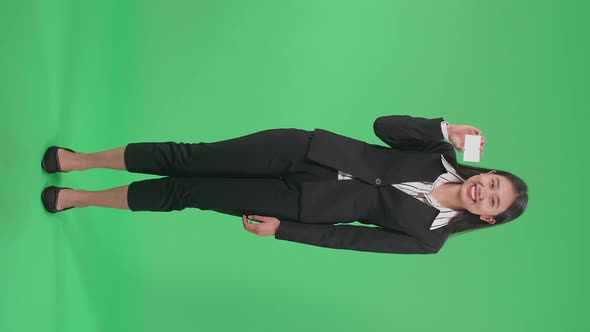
472,145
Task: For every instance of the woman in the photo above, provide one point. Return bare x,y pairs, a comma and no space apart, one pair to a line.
298,185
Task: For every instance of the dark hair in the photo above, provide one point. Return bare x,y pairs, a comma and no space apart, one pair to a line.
467,221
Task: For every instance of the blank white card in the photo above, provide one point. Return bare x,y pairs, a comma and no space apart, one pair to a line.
472,145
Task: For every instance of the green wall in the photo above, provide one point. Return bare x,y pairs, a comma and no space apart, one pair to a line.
96,75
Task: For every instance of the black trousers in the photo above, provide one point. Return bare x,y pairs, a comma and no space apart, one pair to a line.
258,173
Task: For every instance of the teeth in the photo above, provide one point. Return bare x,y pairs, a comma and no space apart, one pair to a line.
473,193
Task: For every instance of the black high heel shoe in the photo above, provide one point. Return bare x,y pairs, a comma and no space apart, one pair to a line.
49,198
50,162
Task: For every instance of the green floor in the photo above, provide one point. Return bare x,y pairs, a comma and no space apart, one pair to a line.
96,75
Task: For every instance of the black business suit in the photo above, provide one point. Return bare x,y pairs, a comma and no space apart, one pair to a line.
291,174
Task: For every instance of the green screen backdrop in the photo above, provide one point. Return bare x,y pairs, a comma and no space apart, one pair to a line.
94,75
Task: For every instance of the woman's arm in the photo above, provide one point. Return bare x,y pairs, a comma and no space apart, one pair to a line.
409,133
359,238
404,132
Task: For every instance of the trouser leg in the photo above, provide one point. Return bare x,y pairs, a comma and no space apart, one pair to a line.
268,153
234,196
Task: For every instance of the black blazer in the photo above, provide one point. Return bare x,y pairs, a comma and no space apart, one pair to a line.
403,222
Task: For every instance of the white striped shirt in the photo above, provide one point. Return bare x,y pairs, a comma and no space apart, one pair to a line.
423,190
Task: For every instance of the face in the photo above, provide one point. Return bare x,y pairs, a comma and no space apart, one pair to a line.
487,195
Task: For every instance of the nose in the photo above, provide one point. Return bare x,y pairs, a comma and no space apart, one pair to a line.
483,192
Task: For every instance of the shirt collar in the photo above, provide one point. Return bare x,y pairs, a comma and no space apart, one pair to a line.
452,176
450,168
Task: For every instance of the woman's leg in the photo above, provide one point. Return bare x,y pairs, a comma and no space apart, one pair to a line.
79,161
268,153
270,197
233,196
111,198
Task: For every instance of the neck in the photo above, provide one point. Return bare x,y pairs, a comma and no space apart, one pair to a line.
448,195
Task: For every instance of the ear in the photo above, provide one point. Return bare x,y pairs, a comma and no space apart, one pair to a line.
492,171
489,219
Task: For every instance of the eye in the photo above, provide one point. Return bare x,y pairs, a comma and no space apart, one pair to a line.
492,184
493,202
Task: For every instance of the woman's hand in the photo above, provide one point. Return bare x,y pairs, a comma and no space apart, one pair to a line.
267,225
457,136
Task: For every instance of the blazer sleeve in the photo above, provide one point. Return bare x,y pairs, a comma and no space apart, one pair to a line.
410,133
351,237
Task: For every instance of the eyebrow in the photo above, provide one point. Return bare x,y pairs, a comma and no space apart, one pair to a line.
498,179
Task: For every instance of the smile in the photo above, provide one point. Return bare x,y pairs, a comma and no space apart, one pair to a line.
471,193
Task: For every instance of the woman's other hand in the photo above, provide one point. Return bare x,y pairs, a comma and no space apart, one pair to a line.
266,226
457,136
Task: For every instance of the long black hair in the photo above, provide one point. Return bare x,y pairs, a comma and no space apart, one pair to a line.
467,221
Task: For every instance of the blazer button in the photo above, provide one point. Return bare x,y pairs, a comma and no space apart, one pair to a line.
377,181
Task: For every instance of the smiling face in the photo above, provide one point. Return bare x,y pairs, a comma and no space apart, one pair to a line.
487,195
